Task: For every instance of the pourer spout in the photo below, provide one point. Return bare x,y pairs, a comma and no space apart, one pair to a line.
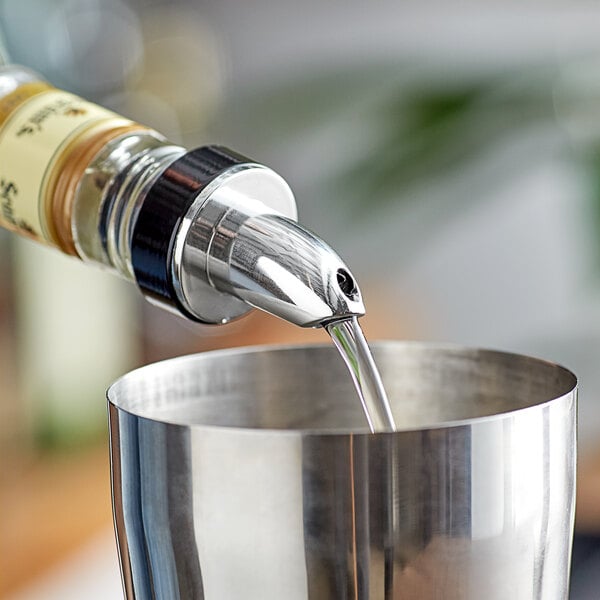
277,266
238,251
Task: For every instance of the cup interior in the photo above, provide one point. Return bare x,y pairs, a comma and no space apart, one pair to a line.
308,388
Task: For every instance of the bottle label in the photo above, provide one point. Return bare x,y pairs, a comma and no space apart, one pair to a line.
32,139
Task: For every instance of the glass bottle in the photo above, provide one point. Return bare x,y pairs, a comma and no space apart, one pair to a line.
207,233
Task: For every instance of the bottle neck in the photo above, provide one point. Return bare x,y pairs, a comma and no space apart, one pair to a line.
73,174
109,195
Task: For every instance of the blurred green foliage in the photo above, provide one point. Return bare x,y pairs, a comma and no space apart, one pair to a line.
406,129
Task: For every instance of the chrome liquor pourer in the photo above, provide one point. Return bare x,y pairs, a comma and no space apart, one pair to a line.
216,235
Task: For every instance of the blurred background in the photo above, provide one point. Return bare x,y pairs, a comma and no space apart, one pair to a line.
451,154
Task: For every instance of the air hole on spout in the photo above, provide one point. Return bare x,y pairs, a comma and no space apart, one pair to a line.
347,284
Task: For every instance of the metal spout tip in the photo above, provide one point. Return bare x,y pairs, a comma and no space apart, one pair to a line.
283,269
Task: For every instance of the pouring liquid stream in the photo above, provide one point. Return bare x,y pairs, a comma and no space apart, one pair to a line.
350,341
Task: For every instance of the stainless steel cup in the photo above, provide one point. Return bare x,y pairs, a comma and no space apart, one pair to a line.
250,474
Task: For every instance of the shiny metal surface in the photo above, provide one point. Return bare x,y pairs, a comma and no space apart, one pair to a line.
250,474
239,246
109,192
